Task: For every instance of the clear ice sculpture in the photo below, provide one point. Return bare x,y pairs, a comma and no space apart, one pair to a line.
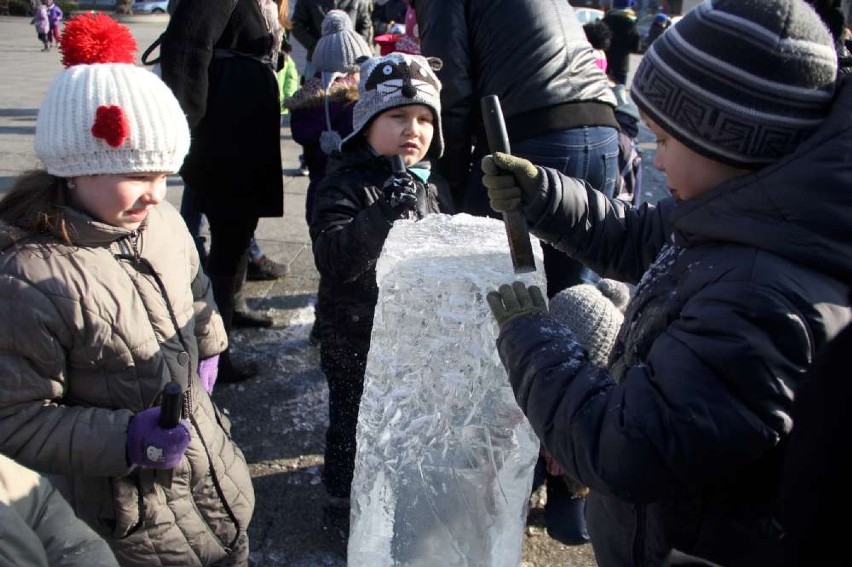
445,457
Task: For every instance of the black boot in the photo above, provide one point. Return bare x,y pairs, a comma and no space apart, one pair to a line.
223,293
244,316
230,374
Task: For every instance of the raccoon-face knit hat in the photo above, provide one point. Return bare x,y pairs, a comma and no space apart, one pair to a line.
394,80
594,313
104,114
742,82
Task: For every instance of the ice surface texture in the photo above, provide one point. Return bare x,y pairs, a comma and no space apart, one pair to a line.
445,457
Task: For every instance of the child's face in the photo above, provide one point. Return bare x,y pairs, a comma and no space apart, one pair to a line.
119,200
405,131
688,174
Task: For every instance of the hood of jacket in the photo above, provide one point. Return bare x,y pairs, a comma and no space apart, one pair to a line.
799,208
311,94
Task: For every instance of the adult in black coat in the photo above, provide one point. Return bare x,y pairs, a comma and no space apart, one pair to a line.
216,55
559,109
309,14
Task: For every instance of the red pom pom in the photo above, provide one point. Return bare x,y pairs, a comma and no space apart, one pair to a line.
111,125
96,38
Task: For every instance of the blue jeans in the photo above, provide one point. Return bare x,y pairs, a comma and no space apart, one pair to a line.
588,152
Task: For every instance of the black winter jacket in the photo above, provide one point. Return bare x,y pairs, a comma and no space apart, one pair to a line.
211,59
309,14
351,221
533,54
681,439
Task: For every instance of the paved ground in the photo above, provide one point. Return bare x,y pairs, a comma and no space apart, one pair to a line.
279,417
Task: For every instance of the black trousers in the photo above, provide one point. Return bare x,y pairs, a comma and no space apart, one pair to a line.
343,360
226,261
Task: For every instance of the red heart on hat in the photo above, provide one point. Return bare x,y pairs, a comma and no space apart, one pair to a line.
111,125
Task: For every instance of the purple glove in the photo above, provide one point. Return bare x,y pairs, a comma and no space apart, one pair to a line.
151,446
208,370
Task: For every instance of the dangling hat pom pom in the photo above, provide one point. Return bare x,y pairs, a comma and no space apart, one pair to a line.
96,38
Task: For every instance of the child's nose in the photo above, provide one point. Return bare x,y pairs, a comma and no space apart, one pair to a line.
155,193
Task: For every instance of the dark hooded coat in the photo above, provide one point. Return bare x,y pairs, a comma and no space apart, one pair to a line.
682,437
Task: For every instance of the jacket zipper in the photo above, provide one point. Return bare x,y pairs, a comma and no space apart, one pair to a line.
137,258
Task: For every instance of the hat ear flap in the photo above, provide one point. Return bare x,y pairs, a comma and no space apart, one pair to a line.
435,63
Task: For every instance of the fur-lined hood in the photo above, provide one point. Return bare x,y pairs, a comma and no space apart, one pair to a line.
310,94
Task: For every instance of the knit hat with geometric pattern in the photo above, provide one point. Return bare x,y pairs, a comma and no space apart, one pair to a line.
742,82
103,114
594,313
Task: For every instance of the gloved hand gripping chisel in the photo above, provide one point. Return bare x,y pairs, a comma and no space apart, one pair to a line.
517,231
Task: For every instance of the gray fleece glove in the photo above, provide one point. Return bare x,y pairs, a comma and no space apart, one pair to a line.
511,181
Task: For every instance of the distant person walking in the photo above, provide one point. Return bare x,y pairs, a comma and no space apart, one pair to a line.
54,18
42,25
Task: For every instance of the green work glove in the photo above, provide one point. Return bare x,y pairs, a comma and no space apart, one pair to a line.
511,181
516,300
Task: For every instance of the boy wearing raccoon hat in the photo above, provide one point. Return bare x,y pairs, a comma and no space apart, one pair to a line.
742,278
398,113
104,303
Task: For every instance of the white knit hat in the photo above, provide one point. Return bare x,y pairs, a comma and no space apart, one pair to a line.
594,313
339,48
395,80
105,115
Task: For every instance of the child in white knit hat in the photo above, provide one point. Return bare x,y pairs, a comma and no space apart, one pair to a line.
103,304
397,115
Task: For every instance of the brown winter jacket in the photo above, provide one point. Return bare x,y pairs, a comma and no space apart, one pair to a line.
38,527
89,335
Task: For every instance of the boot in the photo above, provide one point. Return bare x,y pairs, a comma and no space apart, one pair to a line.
230,374
243,315
564,513
223,293
246,317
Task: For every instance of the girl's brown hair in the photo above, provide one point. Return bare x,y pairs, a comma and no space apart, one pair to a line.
35,204
284,14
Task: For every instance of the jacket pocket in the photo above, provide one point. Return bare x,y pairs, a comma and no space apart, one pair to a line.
128,506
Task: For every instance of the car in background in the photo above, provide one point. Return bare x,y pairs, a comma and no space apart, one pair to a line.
150,6
586,15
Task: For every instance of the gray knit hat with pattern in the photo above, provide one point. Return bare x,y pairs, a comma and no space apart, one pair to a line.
594,313
398,79
339,48
742,82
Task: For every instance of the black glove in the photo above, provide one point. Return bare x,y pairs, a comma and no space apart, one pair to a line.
511,181
400,192
516,300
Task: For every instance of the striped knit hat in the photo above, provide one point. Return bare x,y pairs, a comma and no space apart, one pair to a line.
742,82
104,114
